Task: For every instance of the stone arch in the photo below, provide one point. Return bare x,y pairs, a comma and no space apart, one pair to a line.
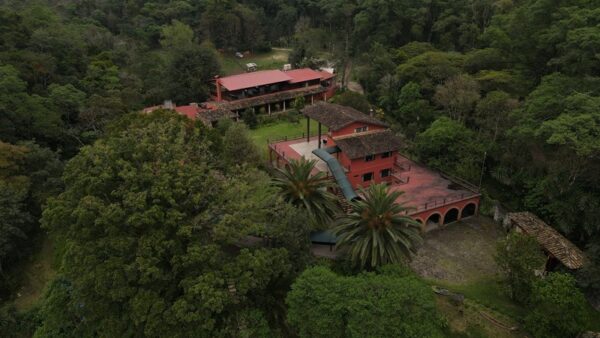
433,221
469,210
451,216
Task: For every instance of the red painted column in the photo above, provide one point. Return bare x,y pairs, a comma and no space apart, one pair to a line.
218,90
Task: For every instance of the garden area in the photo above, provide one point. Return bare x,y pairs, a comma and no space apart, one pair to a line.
274,59
460,260
279,128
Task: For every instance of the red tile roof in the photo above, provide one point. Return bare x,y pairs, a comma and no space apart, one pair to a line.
254,79
303,75
326,75
189,111
266,77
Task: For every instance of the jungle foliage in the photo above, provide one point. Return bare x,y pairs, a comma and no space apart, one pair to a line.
513,86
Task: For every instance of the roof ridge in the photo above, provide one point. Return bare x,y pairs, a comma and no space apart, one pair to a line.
362,133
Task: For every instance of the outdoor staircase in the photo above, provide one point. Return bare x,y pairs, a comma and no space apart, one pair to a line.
346,207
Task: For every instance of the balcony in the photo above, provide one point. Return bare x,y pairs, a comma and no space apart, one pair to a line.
271,98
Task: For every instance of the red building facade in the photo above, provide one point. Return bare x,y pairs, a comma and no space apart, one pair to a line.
368,153
268,91
272,90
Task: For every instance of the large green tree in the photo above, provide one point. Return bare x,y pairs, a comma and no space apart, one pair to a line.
519,257
155,237
377,230
190,71
451,146
558,308
390,303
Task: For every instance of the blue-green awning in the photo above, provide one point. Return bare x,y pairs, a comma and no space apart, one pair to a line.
324,237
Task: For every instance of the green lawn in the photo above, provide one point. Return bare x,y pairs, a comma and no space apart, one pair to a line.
488,292
279,130
275,59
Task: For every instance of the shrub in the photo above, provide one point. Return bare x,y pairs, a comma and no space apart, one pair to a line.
299,103
354,100
518,256
249,118
292,116
557,309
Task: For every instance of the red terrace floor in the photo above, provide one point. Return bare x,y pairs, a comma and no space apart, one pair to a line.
424,189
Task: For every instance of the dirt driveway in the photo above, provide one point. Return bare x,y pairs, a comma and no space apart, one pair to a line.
459,253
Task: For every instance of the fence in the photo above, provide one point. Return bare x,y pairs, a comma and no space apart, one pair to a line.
292,138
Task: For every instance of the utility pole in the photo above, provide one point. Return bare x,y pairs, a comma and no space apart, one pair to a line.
482,170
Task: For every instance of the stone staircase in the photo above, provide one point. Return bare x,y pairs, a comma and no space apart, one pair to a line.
346,207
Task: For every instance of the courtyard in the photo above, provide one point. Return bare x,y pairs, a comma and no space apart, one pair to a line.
460,257
461,252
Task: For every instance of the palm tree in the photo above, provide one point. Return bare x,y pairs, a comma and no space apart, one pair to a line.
303,189
377,230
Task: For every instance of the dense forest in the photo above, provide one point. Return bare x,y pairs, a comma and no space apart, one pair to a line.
146,213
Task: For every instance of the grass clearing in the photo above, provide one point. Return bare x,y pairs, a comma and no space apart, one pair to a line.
466,320
487,292
37,272
275,59
280,129
460,258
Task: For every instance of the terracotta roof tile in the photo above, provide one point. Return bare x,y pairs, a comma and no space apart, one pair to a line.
303,75
336,117
369,143
550,239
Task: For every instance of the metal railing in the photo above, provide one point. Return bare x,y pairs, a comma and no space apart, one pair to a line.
440,202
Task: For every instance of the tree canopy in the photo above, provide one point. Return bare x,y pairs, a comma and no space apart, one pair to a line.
389,303
152,232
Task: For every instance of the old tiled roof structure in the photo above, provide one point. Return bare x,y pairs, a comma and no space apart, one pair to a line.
550,239
336,117
368,143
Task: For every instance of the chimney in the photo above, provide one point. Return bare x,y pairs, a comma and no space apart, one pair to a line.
168,104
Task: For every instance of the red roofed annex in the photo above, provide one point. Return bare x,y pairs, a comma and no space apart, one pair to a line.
267,91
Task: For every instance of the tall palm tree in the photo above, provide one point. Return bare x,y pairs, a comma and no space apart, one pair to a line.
377,230
303,189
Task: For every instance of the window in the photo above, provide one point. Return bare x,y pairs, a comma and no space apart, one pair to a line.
367,177
386,154
361,129
386,172
369,158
